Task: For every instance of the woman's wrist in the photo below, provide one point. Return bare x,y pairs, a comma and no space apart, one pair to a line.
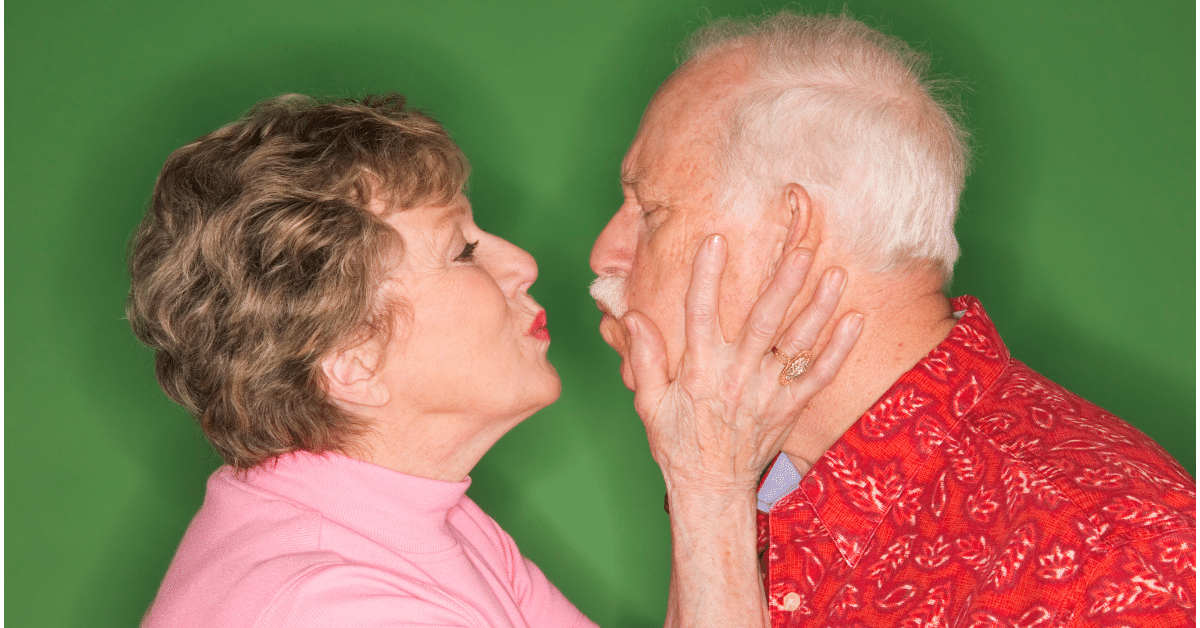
709,499
679,478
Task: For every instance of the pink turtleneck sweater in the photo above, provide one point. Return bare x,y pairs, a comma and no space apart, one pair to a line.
332,541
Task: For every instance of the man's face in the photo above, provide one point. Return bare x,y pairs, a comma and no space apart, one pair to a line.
671,187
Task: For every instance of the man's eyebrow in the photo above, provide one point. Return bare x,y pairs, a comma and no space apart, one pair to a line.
630,179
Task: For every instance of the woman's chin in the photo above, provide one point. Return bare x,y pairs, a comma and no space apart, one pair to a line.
547,391
553,389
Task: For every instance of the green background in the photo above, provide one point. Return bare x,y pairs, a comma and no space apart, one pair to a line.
1077,229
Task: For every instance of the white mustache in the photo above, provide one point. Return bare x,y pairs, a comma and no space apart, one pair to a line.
610,292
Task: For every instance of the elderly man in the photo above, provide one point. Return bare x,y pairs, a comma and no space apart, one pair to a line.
936,481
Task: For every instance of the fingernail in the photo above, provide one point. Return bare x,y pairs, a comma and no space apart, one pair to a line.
803,257
632,326
714,243
856,321
837,279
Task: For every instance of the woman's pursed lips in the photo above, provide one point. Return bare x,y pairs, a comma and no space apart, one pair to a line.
538,328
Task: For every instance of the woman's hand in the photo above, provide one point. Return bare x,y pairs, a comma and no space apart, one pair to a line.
725,415
715,427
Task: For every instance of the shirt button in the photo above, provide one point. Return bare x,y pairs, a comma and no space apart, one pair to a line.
791,601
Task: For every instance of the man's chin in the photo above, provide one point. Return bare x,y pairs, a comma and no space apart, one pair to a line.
614,333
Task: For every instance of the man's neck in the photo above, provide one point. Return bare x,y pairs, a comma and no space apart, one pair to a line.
904,319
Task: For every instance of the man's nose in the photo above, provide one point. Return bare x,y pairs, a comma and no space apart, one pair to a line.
612,254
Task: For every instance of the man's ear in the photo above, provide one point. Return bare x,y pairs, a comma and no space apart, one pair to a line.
797,203
352,378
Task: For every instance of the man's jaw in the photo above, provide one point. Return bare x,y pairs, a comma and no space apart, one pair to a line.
609,293
617,336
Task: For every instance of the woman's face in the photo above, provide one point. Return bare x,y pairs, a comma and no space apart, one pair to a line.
468,347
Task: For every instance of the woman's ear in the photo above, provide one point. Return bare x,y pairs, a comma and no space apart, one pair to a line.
803,229
352,378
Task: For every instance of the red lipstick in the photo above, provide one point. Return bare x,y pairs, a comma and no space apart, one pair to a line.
538,328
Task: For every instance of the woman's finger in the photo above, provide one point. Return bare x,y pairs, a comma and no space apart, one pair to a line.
702,327
827,365
803,332
762,325
647,359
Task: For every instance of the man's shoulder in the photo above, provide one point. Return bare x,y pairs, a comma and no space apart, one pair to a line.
1124,485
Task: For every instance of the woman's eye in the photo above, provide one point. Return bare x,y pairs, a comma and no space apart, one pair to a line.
468,252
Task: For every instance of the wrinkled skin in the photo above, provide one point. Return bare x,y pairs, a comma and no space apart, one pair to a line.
696,341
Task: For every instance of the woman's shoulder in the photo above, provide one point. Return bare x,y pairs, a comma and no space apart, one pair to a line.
306,589
253,558
241,546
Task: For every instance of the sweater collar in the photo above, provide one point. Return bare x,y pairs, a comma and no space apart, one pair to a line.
400,511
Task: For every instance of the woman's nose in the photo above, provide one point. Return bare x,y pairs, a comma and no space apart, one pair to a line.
517,268
612,254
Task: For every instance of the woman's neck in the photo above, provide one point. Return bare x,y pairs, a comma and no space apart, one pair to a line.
440,447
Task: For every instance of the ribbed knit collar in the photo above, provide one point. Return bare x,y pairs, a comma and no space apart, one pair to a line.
404,512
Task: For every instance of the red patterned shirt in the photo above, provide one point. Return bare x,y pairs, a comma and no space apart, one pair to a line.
978,494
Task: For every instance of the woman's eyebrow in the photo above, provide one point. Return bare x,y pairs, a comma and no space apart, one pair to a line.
452,212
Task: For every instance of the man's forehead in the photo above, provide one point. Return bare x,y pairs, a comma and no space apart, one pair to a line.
677,145
651,183
657,152
670,158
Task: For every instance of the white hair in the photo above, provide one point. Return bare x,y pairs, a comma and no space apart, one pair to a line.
609,290
851,114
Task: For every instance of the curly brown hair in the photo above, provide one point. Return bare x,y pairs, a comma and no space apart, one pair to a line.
258,255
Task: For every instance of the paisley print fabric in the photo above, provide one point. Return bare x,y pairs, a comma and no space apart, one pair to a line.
979,494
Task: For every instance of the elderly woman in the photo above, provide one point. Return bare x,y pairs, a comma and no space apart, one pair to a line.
319,297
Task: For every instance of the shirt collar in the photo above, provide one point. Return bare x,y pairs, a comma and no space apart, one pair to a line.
780,480
400,511
866,474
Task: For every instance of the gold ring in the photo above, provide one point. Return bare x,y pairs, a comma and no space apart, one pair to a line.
793,368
